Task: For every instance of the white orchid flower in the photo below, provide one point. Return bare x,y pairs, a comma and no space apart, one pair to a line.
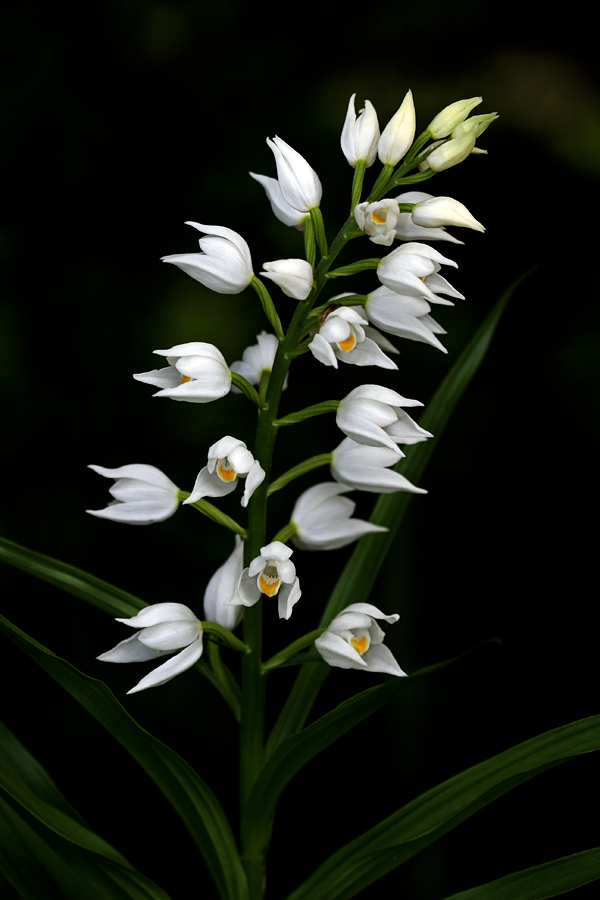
281,208
413,269
142,495
354,640
164,628
228,461
360,135
399,133
343,336
224,265
294,276
257,359
220,588
272,574
366,468
373,415
197,372
299,183
378,220
404,316
438,212
323,518
407,230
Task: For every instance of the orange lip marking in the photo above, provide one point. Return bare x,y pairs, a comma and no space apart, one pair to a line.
347,344
268,584
360,644
225,472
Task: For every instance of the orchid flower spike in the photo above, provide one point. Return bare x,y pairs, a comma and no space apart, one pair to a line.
142,495
270,574
197,372
224,265
281,208
323,519
220,588
354,640
228,460
299,183
360,135
373,415
163,628
343,336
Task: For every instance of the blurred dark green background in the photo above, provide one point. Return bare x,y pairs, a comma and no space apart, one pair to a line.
120,123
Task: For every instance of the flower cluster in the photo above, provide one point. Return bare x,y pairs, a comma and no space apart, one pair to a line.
346,327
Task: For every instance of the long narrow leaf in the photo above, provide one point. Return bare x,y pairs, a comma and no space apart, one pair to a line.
548,880
420,822
40,864
358,577
293,753
69,578
188,793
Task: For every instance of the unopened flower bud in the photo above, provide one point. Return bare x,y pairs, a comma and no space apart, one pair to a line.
399,133
447,120
360,134
440,211
476,125
294,276
451,153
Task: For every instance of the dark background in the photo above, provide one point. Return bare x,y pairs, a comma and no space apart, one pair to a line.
120,125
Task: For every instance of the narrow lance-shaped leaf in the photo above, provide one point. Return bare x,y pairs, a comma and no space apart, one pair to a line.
183,787
548,880
358,577
425,819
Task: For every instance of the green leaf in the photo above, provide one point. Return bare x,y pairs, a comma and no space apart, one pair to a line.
539,882
358,577
40,864
69,578
183,787
293,753
425,819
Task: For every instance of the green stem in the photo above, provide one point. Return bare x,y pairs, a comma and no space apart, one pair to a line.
284,655
357,183
285,533
215,514
220,676
318,409
315,462
247,389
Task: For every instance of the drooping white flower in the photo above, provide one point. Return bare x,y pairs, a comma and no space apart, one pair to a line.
294,276
354,640
366,468
224,265
281,208
343,336
403,315
163,628
373,415
197,372
299,183
228,460
399,133
257,359
272,574
378,220
323,518
220,588
406,230
451,116
413,269
142,495
360,135
438,212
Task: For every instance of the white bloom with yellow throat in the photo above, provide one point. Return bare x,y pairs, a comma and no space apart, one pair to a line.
378,220
197,372
343,336
228,460
354,640
272,574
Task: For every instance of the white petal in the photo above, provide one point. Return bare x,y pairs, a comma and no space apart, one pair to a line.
367,353
255,477
246,592
160,612
289,595
338,652
130,650
221,587
380,659
276,550
208,485
323,351
170,635
174,666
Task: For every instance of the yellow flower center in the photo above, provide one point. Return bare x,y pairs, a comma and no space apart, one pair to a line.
225,470
185,378
360,644
269,581
348,343
375,217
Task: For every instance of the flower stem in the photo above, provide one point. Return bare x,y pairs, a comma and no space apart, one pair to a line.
314,462
284,655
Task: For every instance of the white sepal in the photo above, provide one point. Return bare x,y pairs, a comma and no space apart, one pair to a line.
372,414
402,315
366,468
142,495
224,265
323,518
221,586
406,230
438,212
294,276
281,208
